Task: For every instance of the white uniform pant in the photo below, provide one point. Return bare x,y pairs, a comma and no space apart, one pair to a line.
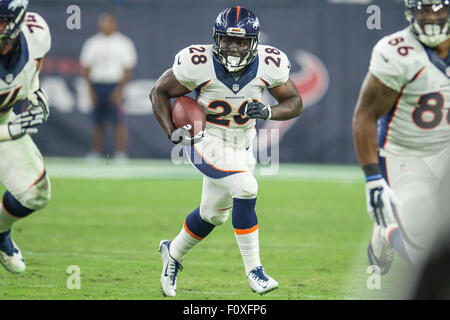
228,173
419,183
22,171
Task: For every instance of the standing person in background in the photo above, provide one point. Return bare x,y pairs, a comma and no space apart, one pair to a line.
108,59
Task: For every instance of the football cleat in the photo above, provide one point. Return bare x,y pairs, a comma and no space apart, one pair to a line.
10,255
379,251
170,270
261,282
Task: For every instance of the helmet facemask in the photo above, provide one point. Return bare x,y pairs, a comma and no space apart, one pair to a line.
430,20
234,49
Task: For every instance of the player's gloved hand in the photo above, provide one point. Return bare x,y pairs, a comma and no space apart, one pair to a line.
39,99
25,123
257,110
182,136
380,201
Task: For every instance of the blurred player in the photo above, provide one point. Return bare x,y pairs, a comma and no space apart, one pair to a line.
24,41
229,78
407,90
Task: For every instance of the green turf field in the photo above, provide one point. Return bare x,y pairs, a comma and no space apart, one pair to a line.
313,235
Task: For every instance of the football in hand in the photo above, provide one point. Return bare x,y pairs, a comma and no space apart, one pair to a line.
186,110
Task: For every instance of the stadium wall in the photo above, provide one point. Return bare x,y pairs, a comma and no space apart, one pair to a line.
328,43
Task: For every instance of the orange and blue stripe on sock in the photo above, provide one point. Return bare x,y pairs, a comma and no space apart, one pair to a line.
196,226
244,218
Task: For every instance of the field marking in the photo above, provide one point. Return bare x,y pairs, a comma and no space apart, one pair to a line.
76,168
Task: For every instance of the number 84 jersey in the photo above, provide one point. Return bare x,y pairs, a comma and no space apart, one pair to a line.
418,124
223,97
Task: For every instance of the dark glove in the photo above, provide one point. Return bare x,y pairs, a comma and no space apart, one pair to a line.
258,110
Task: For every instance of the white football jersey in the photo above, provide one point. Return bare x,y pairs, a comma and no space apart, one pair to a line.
222,97
23,77
418,124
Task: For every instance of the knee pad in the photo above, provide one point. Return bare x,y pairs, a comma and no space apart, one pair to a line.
244,186
214,216
37,196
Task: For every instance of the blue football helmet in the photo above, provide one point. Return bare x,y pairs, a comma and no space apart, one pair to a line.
13,12
241,23
430,33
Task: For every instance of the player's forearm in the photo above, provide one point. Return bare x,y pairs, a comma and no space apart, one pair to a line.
365,139
287,109
162,109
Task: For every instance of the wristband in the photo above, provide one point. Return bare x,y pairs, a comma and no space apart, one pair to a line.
270,112
372,172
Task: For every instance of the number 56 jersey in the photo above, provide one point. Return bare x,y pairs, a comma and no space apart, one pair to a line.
223,97
418,125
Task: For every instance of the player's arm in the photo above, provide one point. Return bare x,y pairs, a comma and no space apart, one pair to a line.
165,88
289,105
26,122
375,100
38,97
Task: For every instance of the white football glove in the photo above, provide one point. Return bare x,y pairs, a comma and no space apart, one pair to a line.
380,200
182,136
25,123
39,99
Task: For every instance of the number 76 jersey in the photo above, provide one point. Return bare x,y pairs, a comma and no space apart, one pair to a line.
223,97
418,125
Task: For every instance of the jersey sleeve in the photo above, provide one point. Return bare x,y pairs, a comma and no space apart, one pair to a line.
188,73
38,33
276,66
387,65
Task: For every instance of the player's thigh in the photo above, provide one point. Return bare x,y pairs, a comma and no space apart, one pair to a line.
21,165
418,191
242,185
216,201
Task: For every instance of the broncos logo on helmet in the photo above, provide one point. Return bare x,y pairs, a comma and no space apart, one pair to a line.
430,31
12,12
240,24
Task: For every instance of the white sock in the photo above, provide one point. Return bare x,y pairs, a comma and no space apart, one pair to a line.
6,220
182,244
249,245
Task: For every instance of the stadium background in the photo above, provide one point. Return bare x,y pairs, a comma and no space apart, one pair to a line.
328,44
108,217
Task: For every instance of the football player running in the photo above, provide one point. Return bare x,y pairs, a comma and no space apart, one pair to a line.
406,96
229,78
24,41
